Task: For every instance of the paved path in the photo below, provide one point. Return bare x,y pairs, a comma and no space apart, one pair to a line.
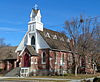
30,79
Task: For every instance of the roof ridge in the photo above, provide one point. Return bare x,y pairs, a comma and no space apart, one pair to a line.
58,43
53,31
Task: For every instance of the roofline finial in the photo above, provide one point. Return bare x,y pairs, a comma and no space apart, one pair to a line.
36,7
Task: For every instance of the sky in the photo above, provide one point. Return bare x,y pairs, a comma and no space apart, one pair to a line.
14,15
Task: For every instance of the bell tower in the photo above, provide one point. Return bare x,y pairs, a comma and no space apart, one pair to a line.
35,20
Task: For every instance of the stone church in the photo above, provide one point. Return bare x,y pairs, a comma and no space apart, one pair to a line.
42,51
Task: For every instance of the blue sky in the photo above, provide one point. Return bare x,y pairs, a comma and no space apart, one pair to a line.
14,15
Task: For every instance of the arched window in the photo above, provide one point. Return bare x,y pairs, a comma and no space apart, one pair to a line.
43,57
63,58
33,40
56,58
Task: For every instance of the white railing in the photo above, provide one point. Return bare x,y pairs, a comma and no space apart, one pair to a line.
24,72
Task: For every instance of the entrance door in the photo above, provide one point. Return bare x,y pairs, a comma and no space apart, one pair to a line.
26,60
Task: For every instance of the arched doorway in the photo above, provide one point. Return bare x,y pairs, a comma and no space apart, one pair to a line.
26,60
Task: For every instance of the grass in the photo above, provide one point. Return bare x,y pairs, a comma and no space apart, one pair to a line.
37,80
70,76
1,75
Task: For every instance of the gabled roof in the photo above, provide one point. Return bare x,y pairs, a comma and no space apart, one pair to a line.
31,50
22,43
35,11
55,40
7,53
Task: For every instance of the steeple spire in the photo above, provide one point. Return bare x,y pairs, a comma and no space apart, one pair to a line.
36,7
35,20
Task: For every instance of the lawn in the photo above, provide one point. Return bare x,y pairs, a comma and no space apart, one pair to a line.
70,76
32,80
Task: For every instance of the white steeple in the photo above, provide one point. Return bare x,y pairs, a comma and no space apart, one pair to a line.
35,20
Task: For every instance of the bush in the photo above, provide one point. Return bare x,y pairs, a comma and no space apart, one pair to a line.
85,80
96,79
1,70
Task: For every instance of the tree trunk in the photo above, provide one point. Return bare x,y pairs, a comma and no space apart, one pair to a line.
76,68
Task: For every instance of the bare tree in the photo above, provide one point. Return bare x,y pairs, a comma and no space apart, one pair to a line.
96,51
81,31
2,42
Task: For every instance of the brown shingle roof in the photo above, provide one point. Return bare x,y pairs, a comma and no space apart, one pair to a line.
8,53
31,50
55,40
35,11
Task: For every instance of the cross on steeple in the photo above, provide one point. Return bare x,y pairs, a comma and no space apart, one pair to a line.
36,6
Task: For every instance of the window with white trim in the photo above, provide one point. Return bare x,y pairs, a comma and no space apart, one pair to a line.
43,57
70,59
63,58
35,61
56,58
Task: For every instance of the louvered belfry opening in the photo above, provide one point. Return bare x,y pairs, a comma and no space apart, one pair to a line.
33,40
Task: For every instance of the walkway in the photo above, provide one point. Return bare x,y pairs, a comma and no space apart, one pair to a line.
29,79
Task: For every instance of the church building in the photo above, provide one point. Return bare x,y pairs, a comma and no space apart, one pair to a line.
43,51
